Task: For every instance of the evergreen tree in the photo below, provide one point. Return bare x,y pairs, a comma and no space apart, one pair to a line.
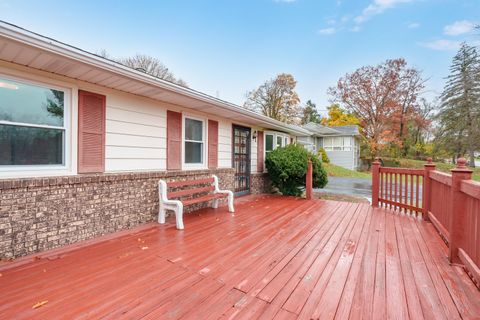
459,115
310,113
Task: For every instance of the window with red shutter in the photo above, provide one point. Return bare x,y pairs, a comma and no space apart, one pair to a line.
91,132
212,144
174,140
260,152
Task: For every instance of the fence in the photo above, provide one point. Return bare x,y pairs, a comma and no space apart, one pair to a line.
450,201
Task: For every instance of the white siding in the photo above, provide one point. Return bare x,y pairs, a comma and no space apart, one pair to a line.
341,158
224,144
135,134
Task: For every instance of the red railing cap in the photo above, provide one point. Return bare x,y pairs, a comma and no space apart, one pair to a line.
429,163
376,160
462,166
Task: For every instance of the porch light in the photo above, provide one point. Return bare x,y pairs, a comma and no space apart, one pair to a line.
254,135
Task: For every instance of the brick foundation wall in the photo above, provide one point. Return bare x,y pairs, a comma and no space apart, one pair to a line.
260,183
44,213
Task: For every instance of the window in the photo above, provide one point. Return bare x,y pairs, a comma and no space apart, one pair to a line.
194,141
337,143
274,140
32,125
268,143
279,141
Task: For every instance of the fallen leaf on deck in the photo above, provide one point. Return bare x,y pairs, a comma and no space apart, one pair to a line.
144,248
124,255
39,304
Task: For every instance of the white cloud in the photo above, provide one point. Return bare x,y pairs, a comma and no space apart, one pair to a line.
459,27
378,7
355,29
285,1
442,45
413,25
331,22
327,31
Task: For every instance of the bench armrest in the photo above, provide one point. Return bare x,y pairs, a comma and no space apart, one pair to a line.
162,191
228,192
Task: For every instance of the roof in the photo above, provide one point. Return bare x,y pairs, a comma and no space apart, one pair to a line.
321,130
24,47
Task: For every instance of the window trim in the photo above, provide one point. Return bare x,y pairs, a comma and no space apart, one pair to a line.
203,164
67,132
343,147
275,134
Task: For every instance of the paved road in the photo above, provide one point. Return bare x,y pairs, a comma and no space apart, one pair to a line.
350,186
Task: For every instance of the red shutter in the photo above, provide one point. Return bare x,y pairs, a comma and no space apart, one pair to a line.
212,144
174,140
260,152
91,132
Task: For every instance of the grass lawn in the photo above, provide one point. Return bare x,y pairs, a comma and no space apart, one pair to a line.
336,171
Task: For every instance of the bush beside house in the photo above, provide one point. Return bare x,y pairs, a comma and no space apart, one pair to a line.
287,169
322,154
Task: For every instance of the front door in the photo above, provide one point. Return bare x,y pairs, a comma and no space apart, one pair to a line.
241,159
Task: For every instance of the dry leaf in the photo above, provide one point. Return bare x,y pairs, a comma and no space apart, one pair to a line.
144,248
39,304
124,255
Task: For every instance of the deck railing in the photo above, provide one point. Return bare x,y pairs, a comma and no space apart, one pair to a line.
450,201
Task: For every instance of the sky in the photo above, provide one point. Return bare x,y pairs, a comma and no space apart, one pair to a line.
227,48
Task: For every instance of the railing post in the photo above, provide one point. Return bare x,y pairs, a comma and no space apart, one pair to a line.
309,182
427,188
375,182
457,227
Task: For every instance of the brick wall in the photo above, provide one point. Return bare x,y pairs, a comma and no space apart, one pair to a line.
260,183
43,213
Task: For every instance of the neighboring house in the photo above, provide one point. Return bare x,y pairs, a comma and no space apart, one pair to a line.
342,143
84,141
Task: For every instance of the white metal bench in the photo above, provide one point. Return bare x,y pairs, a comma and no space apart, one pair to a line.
200,186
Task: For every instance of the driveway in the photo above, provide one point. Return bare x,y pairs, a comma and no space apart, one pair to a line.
354,187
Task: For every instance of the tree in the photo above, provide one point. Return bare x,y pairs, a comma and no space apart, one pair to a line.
276,98
459,115
339,117
310,113
148,64
384,98
420,130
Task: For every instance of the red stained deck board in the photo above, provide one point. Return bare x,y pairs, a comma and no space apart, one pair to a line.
275,255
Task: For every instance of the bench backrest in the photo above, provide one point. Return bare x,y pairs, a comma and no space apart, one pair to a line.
189,187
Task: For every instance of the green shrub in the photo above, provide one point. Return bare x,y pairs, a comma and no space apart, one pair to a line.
323,155
287,169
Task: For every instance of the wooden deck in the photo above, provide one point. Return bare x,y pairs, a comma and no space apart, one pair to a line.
276,258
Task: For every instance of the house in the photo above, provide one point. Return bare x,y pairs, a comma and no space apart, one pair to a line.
84,141
342,143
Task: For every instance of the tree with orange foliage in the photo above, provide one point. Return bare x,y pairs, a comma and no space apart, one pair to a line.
384,98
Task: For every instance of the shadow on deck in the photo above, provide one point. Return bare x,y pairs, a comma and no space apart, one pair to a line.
276,258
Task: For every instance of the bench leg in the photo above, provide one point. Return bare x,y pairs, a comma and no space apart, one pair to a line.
215,203
161,215
179,216
230,202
